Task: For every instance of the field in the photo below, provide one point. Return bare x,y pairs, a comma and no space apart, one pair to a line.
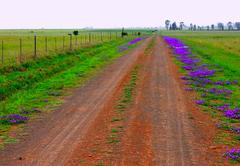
49,42
219,97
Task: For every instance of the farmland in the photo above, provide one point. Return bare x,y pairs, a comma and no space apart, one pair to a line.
18,46
217,55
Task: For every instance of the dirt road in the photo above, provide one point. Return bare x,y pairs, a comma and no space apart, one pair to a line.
157,129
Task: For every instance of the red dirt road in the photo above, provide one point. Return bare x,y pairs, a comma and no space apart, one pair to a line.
157,129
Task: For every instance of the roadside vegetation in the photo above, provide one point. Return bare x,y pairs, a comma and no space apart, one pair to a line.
210,66
35,86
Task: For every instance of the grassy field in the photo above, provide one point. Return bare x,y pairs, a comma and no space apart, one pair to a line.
37,85
220,52
216,47
50,42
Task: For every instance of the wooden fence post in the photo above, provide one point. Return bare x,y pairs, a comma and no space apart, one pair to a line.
35,47
55,44
20,51
81,39
89,37
46,45
2,52
76,41
71,42
63,42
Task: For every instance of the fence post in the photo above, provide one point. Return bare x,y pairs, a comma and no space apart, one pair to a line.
35,47
55,44
71,42
89,37
98,37
81,39
46,45
2,52
63,42
76,40
85,38
20,51
110,35
101,37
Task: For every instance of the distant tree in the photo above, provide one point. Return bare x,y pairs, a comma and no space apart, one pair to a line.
170,27
202,27
181,25
220,26
174,26
230,25
167,23
194,27
199,28
191,26
75,33
212,26
208,27
237,24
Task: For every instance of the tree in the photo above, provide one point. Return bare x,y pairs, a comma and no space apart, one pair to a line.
212,26
170,27
208,27
237,24
191,26
220,26
194,27
167,23
229,24
174,26
181,25
75,33
199,28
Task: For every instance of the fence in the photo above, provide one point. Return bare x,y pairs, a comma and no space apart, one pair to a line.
16,49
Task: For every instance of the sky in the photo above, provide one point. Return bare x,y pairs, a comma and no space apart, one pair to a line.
77,14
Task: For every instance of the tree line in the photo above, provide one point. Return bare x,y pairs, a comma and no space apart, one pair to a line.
220,26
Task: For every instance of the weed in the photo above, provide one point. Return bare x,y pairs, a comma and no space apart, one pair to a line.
23,134
116,119
114,130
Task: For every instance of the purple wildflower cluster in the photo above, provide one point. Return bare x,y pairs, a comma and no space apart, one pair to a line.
13,119
232,154
52,93
125,46
231,128
201,102
200,75
29,111
228,112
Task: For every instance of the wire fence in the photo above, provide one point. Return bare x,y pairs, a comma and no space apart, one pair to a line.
19,49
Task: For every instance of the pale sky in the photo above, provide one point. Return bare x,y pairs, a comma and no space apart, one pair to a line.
75,14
